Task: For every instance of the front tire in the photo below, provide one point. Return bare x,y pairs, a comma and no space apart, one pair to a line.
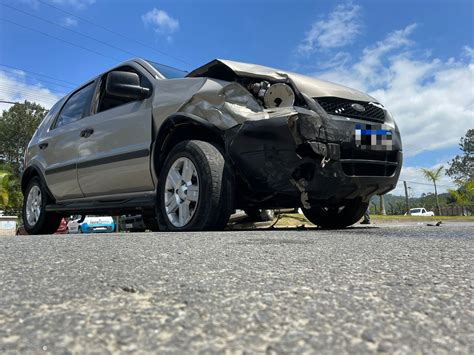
36,219
337,217
196,188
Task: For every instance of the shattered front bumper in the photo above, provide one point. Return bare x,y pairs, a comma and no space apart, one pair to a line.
306,157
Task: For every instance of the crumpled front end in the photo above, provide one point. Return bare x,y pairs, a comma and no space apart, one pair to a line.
304,158
298,150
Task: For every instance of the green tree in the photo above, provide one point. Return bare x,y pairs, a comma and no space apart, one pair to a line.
4,179
433,175
461,168
464,196
17,126
11,198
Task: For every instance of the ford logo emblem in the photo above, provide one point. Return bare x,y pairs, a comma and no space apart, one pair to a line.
358,107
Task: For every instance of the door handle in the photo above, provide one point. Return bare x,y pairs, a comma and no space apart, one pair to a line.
43,145
87,132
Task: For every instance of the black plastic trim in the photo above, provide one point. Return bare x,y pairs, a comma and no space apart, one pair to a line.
60,169
367,161
106,160
114,158
136,203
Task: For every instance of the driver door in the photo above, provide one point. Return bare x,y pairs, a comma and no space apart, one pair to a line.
114,149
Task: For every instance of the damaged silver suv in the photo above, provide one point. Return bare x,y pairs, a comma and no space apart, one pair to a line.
187,149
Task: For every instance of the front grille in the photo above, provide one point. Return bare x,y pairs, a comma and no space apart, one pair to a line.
357,162
367,169
343,107
349,152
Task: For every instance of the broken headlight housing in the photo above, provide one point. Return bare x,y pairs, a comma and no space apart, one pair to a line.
273,95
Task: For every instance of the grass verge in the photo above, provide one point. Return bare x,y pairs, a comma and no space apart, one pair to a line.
296,219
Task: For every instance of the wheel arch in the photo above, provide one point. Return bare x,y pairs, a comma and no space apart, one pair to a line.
179,127
29,173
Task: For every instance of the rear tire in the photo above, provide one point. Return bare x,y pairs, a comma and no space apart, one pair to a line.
36,219
337,217
196,188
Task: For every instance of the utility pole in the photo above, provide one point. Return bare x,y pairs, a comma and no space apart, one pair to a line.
406,197
382,205
8,102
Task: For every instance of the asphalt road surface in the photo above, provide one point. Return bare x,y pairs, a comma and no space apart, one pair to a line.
387,289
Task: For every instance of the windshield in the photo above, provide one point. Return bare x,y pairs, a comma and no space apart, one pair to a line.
168,72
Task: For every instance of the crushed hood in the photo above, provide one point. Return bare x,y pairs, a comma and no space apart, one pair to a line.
228,70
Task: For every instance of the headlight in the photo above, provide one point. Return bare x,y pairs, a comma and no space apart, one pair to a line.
273,95
279,95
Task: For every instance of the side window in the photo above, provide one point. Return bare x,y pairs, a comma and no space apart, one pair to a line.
53,110
107,102
48,120
74,108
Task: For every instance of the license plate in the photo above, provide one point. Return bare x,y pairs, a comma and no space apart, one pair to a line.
129,225
373,136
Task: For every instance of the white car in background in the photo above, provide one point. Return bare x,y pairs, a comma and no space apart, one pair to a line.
420,211
91,224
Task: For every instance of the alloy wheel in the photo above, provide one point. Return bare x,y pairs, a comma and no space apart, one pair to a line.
33,205
181,192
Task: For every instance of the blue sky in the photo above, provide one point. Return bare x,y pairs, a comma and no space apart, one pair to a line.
416,57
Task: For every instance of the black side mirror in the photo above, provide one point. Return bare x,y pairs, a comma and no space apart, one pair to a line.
125,84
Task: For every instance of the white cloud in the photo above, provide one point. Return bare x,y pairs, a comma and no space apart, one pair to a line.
431,99
337,29
161,22
14,88
468,52
69,22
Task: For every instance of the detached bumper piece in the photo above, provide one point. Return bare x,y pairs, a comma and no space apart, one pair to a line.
297,159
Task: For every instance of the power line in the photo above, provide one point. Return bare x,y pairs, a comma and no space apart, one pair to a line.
59,39
28,94
427,184
71,30
24,93
45,81
38,74
114,32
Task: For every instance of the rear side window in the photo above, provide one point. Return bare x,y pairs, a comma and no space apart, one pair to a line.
74,108
50,116
53,111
